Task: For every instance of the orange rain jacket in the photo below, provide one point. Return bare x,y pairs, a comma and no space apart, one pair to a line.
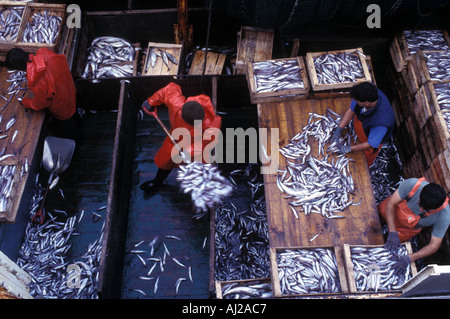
50,80
172,97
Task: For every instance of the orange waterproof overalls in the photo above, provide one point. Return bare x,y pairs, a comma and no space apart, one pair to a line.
371,154
405,219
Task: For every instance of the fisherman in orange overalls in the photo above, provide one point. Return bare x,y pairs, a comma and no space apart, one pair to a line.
414,205
374,121
184,113
50,81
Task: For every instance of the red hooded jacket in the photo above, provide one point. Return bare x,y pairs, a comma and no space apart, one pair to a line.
173,98
51,82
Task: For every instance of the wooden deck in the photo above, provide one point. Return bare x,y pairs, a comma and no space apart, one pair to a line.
361,223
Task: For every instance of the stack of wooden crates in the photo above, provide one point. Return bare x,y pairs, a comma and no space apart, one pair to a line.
422,136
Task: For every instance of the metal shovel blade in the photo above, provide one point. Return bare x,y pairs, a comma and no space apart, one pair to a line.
58,153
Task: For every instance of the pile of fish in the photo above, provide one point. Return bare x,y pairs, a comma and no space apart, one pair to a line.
7,173
425,40
247,290
205,184
109,57
277,75
340,67
10,18
318,185
443,98
159,261
43,27
241,233
44,255
19,82
385,172
155,53
372,267
438,65
308,271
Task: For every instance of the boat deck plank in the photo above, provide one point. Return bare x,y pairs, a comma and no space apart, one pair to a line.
361,223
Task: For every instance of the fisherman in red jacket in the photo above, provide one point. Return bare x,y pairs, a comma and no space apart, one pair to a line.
50,81
183,113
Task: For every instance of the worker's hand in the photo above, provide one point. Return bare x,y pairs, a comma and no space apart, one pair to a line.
336,135
401,265
147,107
343,149
392,242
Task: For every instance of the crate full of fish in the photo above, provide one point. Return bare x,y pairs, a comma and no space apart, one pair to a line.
342,69
9,179
433,66
298,271
244,289
11,15
277,79
370,268
162,59
110,57
41,26
406,43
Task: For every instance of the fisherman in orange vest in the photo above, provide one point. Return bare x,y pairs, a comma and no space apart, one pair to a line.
414,205
373,119
183,113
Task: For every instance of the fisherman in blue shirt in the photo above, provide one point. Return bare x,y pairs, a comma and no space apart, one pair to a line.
374,121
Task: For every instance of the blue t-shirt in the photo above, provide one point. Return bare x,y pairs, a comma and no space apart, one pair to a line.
378,122
440,221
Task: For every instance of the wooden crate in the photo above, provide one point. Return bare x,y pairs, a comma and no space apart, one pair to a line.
8,214
400,51
160,67
259,97
275,273
220,285
32,8
316,86
422,67
13,279
348,264
8,44
214,63
253,45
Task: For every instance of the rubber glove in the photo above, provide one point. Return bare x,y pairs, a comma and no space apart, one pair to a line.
343,149
392,242
401,265
336,135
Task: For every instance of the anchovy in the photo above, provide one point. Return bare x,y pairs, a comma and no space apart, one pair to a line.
42,27
425,40
373,268
109,57
205,184
10,19
241,233
338,67
247,290
319,185
307,271
277,75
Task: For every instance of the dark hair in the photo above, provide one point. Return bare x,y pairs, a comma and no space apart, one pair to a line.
16,59
364,92
432,196
192,111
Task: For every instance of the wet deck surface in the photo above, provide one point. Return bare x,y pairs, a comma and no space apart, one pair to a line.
157,215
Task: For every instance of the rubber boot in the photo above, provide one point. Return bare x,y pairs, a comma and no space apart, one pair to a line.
157,182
